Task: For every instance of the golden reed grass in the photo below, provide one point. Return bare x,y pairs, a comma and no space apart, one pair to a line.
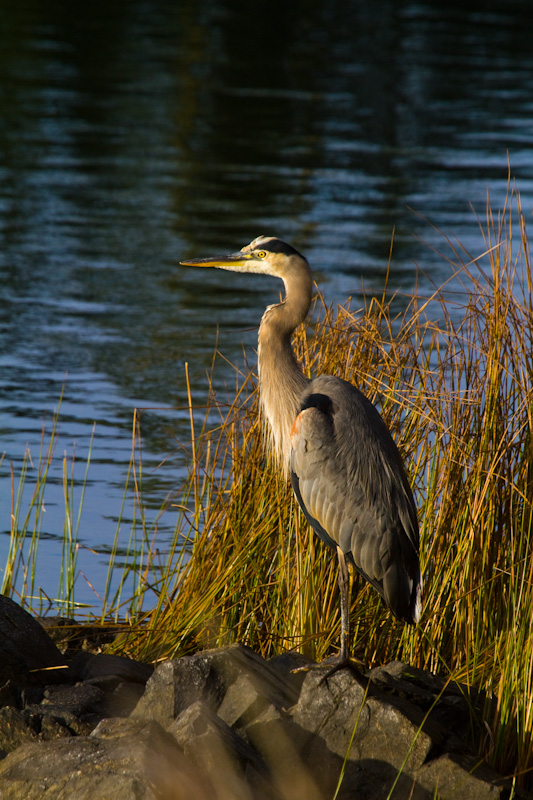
453,379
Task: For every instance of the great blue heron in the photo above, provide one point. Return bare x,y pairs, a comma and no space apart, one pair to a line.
346,471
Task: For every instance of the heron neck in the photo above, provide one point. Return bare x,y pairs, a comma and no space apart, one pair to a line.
281,380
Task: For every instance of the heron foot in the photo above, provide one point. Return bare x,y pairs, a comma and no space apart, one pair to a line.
335,664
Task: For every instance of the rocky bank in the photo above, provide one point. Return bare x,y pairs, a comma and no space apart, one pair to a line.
225,725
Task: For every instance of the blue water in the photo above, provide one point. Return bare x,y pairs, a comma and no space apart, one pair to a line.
133,135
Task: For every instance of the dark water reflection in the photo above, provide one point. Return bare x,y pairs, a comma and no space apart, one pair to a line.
133,134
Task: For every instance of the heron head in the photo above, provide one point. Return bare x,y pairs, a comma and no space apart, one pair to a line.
265,254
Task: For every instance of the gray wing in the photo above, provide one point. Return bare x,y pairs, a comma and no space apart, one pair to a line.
350,482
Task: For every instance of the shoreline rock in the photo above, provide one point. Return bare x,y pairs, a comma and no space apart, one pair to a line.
228,724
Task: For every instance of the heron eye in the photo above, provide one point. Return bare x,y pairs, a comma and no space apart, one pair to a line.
261,254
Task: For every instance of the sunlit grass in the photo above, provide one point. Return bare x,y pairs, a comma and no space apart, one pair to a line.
457,396
456,392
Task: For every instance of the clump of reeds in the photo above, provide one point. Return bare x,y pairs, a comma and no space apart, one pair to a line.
26,519
456,391
454,384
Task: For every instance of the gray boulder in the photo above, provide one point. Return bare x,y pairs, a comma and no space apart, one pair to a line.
206,676
27,654
215,750
138,762
90,667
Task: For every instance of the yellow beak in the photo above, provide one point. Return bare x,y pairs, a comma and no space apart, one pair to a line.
233,260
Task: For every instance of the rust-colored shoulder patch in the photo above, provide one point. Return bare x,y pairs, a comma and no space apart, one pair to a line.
303,421
295,429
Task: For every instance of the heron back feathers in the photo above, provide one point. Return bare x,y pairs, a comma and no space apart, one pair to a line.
350,482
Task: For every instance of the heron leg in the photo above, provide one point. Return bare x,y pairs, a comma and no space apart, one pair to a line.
343,660
345,588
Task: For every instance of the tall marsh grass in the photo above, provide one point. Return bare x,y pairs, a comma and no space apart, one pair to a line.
455,387
26,520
